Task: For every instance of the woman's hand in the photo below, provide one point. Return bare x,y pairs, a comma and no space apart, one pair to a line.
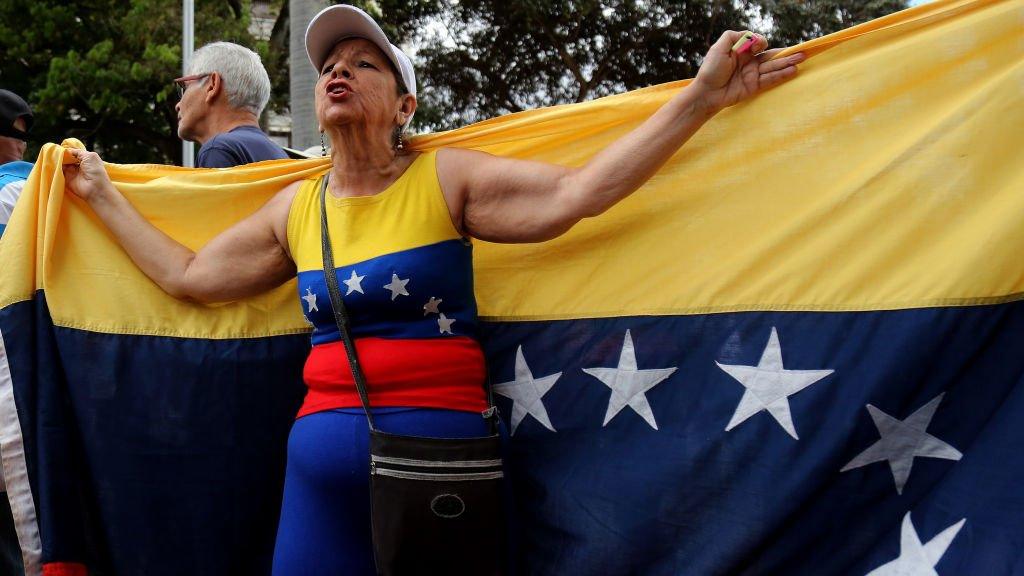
88,178
726,78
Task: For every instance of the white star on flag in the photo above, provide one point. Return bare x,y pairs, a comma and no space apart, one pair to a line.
769,386
629,385
918,559
903,440
397,286
431,307
445,324
310,299
526,393
353,283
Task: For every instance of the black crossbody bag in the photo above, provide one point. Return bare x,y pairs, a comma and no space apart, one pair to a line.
436,504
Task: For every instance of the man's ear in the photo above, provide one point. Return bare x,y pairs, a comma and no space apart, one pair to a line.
214,86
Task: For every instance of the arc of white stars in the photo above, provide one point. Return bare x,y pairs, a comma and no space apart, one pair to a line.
397,286
769,385
629,384
354,283
903,440
527,393
445,324
918,559
310,299
431,307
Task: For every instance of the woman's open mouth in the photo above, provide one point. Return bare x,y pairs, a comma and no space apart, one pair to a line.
338,89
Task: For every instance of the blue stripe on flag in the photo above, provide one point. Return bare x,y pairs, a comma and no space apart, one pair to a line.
690,497
138,444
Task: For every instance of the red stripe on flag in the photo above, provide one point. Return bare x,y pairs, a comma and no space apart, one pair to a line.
64,569
445,373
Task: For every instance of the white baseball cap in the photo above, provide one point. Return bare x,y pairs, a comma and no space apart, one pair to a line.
336,23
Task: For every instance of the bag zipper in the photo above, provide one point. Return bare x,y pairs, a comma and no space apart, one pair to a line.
454,470
436,463
437,476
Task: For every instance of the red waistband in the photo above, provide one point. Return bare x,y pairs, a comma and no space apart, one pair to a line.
445,373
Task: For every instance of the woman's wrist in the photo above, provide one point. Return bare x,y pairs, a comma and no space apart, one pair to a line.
690,107
703,104
106,195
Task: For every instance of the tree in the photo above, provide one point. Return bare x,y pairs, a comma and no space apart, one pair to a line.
795,21
495,57
101,70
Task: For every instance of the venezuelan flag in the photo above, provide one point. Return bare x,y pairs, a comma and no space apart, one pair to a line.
796,350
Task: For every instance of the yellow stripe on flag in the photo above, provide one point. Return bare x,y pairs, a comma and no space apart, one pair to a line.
888,175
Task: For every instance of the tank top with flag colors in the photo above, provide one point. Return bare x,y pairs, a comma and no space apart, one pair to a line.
406,278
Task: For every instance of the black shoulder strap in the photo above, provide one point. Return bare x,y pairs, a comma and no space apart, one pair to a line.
340,314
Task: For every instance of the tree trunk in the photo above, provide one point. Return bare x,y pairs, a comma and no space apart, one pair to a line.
302,77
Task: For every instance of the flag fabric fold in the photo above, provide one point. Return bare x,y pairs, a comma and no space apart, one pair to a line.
798,349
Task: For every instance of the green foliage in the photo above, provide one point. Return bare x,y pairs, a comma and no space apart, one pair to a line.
400,19
493,57
795,21
500,56
101,70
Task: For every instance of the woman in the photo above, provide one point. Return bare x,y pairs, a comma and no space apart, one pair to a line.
398,222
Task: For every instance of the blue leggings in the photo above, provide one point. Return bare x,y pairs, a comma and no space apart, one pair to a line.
325,515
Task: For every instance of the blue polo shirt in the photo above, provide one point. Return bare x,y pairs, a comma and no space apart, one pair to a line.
242,145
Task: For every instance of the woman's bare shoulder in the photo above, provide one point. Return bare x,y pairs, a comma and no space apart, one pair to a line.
281,202
276,211
288,193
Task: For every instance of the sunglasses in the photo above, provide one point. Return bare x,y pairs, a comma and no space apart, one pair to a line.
182,83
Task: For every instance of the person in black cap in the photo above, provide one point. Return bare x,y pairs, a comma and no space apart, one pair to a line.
15,122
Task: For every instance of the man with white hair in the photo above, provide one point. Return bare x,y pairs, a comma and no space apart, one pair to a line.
219,106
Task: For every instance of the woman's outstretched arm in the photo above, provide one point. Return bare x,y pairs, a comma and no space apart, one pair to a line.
249,258
509,200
